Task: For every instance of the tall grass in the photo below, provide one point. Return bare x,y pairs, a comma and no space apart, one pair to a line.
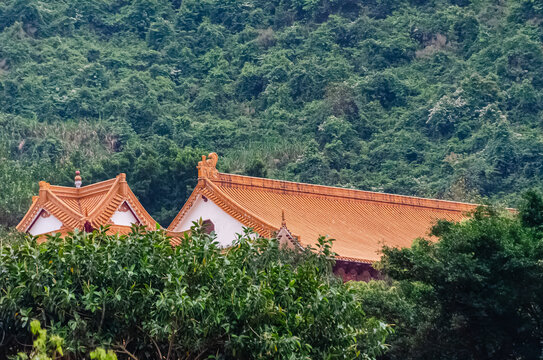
275,153
29,139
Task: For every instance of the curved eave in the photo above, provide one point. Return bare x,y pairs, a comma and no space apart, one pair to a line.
248,219
142,214
29,217
355,260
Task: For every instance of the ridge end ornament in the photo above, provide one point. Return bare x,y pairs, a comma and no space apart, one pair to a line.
207,167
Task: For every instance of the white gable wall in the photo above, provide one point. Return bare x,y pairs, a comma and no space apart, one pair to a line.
125,218
226,227
44,225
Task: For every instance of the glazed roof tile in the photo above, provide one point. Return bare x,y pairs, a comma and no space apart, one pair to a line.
95,203
361,222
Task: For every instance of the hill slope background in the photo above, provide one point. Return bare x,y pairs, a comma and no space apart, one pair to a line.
429,98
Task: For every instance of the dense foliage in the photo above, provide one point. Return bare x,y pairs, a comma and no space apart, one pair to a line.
49,347
474,294
438,98
145,299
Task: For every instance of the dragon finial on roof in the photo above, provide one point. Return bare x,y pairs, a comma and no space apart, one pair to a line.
207,168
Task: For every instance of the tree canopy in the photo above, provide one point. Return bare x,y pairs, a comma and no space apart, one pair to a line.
143,298
474,294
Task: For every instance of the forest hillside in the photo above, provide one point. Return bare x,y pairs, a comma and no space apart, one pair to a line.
434,98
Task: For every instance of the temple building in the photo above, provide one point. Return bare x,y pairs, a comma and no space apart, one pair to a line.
61,209
361,222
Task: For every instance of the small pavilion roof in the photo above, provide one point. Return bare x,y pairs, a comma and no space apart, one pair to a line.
95,203
361,222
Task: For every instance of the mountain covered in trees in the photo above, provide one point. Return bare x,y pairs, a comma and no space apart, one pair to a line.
435,98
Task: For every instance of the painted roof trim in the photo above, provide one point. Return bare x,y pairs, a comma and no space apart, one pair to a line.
283,186
206,188
210,183
65,204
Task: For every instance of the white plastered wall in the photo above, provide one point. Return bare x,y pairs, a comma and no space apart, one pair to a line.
226,227
44,225
125,218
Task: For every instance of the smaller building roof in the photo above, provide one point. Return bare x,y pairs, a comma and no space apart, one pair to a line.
361,222
93,204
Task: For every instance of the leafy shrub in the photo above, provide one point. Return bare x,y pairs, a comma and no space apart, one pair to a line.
139,296
473,294
43,345
49,347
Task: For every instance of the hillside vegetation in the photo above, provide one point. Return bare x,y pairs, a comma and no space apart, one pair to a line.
438,98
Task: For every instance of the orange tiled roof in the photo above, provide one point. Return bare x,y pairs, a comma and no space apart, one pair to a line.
95,203
360,221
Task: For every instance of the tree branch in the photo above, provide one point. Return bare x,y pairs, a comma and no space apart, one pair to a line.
103,315
153,341
170,346
123,349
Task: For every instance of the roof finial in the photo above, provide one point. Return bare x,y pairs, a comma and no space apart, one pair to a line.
207,168
283,221
77,179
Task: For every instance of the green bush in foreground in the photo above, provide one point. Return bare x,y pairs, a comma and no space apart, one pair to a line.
143,298
49,347
43,345
474,294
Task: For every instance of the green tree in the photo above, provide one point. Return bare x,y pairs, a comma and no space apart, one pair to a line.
141,297
482,286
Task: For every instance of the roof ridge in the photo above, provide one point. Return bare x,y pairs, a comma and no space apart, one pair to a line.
339,192
92,189
106,199
83,191
85,186
56,201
